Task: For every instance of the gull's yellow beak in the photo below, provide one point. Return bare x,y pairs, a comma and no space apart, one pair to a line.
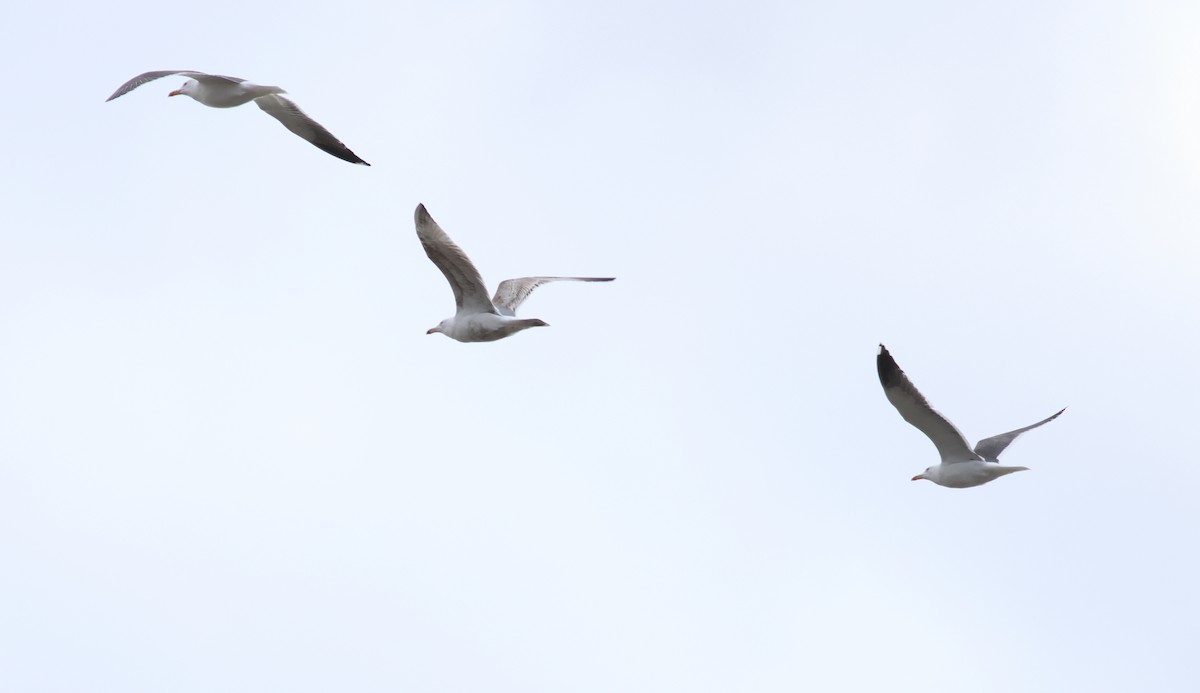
177,92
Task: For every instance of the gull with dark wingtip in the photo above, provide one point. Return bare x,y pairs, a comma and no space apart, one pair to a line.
961,467
219,91
479,318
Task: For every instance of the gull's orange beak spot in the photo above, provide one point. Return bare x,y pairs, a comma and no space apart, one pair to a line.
177,92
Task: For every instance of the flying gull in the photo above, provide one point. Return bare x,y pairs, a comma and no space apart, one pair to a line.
479,319
961,466
226,92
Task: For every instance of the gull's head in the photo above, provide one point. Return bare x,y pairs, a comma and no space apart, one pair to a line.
188,88
441,327
930,474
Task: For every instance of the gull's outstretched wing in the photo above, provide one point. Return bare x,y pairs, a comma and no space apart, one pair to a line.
470,293
156,74
287,112
990,448
911,404
512,292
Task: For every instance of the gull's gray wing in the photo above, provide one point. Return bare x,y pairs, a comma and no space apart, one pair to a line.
904,396
512,292
287,112
990,448
156,74
470,293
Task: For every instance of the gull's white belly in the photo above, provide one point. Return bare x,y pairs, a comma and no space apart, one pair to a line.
968,474
963,474
227,95
483,327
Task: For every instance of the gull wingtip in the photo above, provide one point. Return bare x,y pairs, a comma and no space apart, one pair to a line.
886,367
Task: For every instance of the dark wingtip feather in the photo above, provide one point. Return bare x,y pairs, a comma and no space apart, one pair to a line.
889,371
342,153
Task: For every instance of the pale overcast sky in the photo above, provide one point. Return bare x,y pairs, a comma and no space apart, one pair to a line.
232,460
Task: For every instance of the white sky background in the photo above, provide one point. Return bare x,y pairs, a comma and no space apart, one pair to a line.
231,459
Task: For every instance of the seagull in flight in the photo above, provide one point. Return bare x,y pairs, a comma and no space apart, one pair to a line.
219,91
479,318
961,467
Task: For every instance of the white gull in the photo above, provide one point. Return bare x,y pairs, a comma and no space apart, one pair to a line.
961,467
219,91
478,319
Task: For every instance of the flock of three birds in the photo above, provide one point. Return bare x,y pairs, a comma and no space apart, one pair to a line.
483,319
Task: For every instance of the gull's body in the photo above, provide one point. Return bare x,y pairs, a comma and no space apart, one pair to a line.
961,466
484,327
219,91
478,318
